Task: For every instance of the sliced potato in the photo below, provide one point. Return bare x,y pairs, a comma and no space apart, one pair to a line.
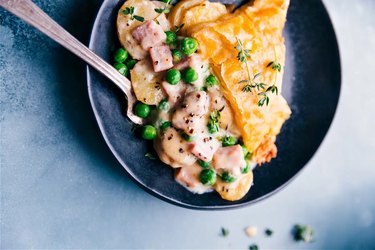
146,83
235,190
204,12
177,13
125,26
173,149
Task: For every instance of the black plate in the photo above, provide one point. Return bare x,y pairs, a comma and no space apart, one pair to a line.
311,86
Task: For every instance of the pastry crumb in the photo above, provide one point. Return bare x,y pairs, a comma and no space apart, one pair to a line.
251,231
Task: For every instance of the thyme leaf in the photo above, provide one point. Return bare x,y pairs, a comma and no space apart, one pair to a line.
150,156
253,247
303,233
178,28
129,11
224,232
213,121
274,65
166,9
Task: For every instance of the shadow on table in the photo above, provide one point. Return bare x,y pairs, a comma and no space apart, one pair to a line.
73,94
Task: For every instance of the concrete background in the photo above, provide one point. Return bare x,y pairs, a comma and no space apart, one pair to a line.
62,188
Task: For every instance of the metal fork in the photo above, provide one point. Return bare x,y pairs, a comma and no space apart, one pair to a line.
32,14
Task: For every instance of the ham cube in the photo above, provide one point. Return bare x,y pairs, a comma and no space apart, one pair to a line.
161,57
174,92
229,159
204,148
183,64
189,115
149,34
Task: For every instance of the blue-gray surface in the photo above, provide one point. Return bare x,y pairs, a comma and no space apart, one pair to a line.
62,188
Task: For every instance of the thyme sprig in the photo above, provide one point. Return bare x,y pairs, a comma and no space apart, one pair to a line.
251,84
264,98
242,56
130,11
213,121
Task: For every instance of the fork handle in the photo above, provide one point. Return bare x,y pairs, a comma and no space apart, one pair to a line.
32,14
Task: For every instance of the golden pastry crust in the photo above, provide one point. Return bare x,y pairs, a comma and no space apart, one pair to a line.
259,26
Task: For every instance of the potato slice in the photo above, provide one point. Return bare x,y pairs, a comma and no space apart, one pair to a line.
235,190
178,11
125,26
146,83
205,12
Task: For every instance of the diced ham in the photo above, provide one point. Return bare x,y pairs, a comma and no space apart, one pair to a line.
183,64
161,57
195,62
186,178
174,92
204,148
162,19
189,116
229,159
149,34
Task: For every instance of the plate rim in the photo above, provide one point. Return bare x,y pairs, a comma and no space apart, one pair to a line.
170,200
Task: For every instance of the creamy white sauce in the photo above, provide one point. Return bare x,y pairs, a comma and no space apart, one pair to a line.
189,111
189,114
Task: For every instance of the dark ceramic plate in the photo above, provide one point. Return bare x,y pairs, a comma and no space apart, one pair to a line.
311,86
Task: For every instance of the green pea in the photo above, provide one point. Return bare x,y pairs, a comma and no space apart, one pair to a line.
171,37
149,132
121,55
122,68
131,63
165,125
189,75
142,110
177,55
163,105
228,141
211,81
226,177
244,150
189,45
207,177
187,137
173,76
204,164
